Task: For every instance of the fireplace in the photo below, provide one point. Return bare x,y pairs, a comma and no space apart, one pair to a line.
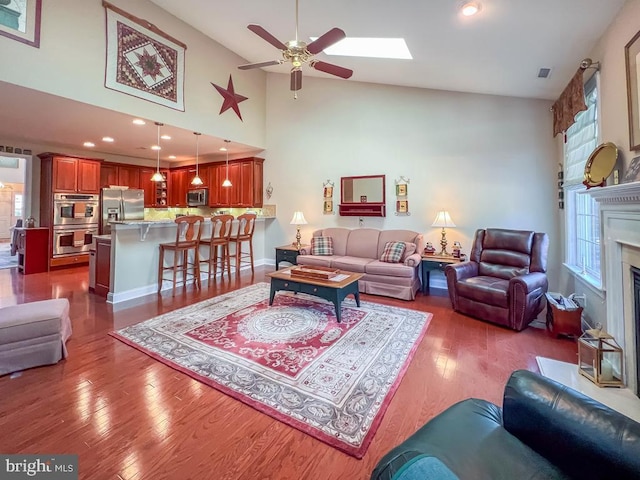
620,240
635,273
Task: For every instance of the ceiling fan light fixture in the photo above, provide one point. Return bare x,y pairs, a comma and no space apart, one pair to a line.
469,9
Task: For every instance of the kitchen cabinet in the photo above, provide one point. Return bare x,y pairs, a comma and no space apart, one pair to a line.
179,181
246,183
68,174
33,250
103,266
121,175
156,194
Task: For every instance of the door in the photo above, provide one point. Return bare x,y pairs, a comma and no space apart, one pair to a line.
108,175
179,183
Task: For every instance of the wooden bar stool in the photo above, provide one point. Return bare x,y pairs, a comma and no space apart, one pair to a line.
246,226
219,239
187,239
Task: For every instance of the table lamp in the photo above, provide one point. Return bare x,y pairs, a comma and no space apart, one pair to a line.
443,220
297,220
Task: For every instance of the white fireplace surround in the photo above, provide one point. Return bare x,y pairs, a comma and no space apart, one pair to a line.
620,249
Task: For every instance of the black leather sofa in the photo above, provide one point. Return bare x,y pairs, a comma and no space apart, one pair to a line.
545,430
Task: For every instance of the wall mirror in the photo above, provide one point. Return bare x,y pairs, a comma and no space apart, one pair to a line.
600,165
363,196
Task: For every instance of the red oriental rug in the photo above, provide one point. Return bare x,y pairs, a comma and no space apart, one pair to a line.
292,361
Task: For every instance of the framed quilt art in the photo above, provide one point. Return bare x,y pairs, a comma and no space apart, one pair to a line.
142,60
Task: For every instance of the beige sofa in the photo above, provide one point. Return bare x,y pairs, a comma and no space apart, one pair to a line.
359,251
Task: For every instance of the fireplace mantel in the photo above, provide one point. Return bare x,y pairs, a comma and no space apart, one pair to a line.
620,247
626,193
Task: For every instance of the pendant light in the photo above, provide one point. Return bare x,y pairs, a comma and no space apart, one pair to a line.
227,182
197,180
157,177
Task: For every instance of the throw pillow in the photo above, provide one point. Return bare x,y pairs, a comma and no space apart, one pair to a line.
322,246
392,252
409,249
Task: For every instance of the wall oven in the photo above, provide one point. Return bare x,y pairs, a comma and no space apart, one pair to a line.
73,240
75,209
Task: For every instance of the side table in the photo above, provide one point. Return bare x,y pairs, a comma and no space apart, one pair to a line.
287,253
433,262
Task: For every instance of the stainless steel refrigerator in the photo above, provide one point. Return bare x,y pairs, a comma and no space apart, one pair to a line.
120,204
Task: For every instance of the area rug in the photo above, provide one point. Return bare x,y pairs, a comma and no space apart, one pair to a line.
292,361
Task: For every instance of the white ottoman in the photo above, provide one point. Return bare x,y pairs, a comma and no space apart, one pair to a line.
33,334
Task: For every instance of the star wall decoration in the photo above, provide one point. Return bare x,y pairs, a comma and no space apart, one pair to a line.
231,98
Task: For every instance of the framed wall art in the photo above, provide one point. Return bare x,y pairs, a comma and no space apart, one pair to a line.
142,60
20,20
632,60
327,194
632,174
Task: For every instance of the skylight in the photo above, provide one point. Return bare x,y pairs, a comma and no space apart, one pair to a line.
370,47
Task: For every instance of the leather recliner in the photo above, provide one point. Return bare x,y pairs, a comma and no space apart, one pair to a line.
505,279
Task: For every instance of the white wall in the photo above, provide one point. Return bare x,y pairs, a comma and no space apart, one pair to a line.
71,63
609,51
490,161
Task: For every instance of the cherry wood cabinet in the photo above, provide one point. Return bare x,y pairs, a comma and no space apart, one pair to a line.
33,250
246,183
121,175
103,266
156,194
68,174
108,175
179,182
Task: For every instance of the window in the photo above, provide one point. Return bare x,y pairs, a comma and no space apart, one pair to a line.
582,213
17,205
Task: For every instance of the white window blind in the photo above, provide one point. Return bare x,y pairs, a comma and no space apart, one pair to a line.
582,213
582,137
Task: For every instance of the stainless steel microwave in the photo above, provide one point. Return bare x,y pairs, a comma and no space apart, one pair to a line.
198,197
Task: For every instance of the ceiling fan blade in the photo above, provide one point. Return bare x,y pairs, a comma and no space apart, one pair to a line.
249,66
262,33
332,36
296,79
332,69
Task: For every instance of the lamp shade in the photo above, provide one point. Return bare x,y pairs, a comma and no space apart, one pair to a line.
443,219
298,219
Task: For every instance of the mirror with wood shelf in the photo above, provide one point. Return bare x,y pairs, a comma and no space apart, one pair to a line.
362,196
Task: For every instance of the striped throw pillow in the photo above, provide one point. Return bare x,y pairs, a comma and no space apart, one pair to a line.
322,246
392,252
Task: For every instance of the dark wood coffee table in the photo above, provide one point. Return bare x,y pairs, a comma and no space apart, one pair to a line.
332,290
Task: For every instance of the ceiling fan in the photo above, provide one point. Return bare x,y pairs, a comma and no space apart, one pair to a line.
298,53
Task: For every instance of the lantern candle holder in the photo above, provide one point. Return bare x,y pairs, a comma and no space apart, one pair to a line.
600,358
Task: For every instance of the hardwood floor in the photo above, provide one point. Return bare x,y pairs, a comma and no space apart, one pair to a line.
128,416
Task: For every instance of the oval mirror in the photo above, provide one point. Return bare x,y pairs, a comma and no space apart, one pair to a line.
600,165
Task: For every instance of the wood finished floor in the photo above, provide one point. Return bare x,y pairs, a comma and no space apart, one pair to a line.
131,417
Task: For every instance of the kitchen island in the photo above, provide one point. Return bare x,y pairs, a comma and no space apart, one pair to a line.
135,254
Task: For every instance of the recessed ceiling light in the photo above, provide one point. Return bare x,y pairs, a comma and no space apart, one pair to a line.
89,144
370,47
139,121
107,139
223,149
470,8
156,147
172,157
165,137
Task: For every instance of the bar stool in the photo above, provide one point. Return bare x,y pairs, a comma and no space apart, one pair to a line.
246,226
220,233
187,239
